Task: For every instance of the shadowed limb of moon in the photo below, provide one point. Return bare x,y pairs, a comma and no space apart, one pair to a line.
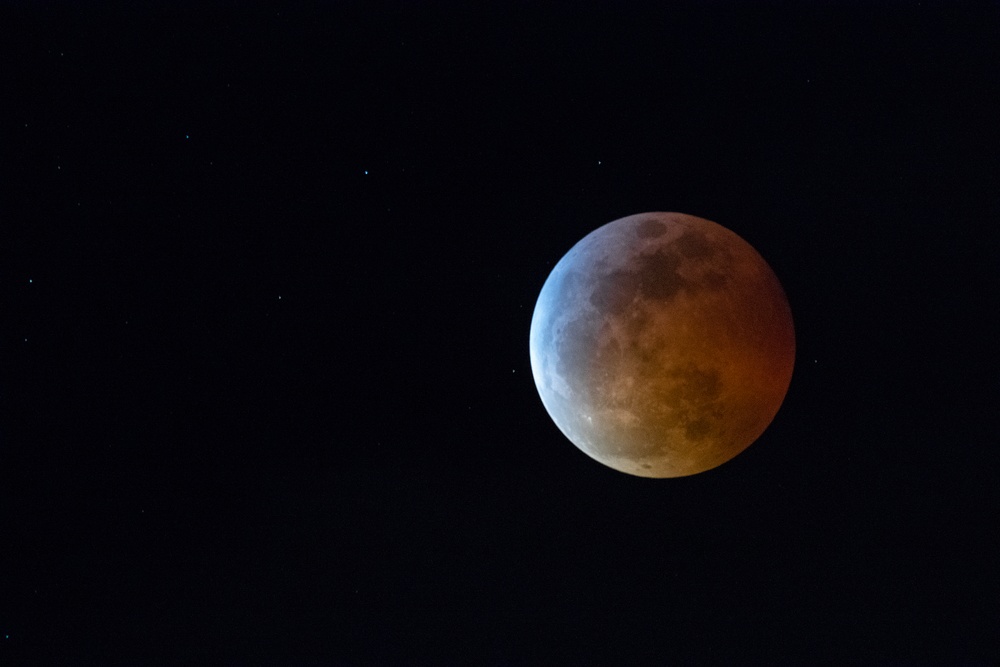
662,345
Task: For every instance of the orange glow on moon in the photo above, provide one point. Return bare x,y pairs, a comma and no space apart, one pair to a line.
662,345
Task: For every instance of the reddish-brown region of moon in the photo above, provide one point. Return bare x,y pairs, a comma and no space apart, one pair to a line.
662,345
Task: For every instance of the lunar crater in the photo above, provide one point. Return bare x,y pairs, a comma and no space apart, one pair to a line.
650,229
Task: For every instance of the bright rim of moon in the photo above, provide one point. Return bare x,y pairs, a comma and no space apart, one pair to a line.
662,345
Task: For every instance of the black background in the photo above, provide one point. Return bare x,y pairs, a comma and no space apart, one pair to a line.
267,273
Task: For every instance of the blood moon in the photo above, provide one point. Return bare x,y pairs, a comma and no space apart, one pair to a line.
662,345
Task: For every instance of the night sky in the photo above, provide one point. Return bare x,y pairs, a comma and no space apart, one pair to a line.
267,272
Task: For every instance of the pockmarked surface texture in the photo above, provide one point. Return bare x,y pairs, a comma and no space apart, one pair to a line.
662,345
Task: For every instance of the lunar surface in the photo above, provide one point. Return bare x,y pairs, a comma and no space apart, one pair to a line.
662,345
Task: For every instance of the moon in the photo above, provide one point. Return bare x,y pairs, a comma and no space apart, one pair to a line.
662,345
